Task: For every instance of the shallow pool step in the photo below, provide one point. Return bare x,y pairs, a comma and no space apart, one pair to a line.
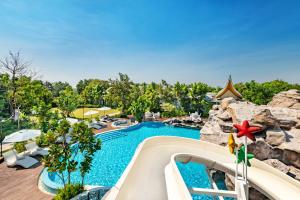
112,135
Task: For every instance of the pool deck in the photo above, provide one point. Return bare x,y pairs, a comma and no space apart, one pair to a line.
108,128
19,183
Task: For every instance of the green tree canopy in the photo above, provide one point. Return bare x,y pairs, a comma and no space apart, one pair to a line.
138,108
94,92
82,84
59,86
31,93
118,92
68,101
262,93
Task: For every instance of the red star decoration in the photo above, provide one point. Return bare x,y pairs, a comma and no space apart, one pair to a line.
246,130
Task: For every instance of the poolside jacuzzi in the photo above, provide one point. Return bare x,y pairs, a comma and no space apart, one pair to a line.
117,150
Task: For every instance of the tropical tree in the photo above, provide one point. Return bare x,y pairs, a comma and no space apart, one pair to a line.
59,158
57,87
165,91
62,157
153,98
118,92
87,146
31,93
137,90
68,101
4,101
94,92
82,84
197,94
138,108
262,93
15,67
182,99
170,110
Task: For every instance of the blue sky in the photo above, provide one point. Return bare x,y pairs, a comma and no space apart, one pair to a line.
175,40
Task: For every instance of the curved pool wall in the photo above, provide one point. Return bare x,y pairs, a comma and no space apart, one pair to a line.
118,147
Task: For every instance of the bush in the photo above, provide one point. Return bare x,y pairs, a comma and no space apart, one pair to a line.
97,118
170,110
68,192
20,147
122,115
42,140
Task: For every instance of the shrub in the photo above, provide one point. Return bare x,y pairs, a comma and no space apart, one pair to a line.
121,115
170,110
20,147
68,192
42,140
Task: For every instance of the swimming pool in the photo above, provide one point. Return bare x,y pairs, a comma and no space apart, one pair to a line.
117,150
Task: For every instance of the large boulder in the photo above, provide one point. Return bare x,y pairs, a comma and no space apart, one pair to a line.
291,158
215,107
265,118
292,140
286,124
225,116
213,133
297,125
287,99
241,110
226,127
226,101
261,150
275,137
286,117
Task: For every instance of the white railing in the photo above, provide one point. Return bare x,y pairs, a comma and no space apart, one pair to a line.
177,189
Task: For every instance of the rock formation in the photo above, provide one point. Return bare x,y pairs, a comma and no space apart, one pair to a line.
287,99
279,142
185,123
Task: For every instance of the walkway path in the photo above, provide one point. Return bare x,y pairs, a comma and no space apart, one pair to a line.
20,184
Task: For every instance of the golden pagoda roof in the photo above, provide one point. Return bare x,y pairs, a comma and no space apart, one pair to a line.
229,87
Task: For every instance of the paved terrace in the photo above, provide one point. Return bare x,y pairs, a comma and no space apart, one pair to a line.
19,183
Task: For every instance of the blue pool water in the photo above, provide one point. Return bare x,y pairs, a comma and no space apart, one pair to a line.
118,148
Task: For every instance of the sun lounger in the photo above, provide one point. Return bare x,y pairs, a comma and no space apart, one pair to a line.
101,123
95,126
34,149
94,121
68,139
11,160
19,155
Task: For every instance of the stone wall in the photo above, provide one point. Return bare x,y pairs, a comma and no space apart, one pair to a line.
278,144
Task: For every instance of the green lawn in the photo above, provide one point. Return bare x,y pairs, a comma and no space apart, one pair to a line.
79,113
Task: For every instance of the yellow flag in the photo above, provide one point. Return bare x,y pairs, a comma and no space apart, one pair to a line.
231,143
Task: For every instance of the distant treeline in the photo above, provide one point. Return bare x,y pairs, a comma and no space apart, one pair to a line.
131,98
262,93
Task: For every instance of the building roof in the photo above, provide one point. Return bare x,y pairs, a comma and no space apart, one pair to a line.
229,88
